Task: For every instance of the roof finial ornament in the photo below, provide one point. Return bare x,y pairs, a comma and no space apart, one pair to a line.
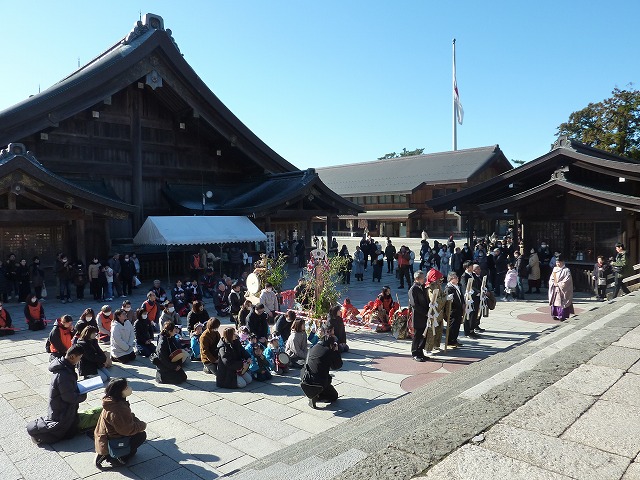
563,141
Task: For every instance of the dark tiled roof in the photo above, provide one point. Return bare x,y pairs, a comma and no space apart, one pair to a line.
257,195
404,174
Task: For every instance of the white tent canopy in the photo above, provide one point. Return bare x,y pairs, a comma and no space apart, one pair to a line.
200,230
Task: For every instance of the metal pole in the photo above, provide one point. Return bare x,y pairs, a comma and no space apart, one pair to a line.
453,99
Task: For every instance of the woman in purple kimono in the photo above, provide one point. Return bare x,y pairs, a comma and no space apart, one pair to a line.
561,290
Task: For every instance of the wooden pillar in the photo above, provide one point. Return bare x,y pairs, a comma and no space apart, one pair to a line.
631,243
12,201
136,159
308,236
81,246
329,232
267,223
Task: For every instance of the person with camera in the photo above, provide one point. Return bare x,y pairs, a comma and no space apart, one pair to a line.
315,380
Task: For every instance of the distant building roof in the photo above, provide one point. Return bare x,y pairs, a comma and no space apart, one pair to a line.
403,175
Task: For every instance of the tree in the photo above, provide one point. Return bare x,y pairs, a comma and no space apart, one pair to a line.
404,153
612,125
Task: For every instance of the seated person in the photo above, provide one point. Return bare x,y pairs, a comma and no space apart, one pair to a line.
209,284
61,337
161,295
6,326
94,360
209,346
221,300
178,299
34,314
259,368
296,345
350,313
232,359
144,334
271,353
168,370
335,326
283,325
195,341
198,314
192,292
257,323
244,313
315,378
64,399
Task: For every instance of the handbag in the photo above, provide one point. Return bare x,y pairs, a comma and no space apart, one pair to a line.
43,294
119,447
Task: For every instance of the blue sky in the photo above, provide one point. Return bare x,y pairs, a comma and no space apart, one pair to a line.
336,81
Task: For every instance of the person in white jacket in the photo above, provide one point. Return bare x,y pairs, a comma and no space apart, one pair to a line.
123,338
510,283
270,301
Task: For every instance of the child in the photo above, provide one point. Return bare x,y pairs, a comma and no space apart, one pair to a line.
195,341
271,354
600,272
243,334
259,364
510,283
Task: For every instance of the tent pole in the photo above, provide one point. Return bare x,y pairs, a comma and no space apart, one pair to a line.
168,277
220,261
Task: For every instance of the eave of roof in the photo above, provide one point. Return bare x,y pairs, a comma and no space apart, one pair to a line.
613,199
608,165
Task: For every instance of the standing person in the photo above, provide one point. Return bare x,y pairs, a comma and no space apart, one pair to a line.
269,299
117,421
123,339
79,279
544,256
231,360
168,371
209,346
377,260
390,253
37,277
419,305
510,283
534,272
467,277
23,276
93,272
412,261
315,380
136,264
621,269
10,267
561,290
435,325
500,262
300,252
454,295
601,271
64,399
34,314
236,299
127,272
403,258
358,264
114,264
520,265
364,248
457,259
477,292
144,334
65,273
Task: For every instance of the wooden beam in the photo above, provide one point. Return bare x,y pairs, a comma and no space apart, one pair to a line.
41,201
36,216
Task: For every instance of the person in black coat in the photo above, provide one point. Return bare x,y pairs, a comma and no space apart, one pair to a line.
468,276
257,322
144,334
127,272
231,359
236,299
168,371
419,305
283,325
335,322
64,400
23,275
94,359
315,379
452,291
197,314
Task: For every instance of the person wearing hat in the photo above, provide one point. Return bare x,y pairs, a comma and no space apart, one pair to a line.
168,364
236,299
435,323
561,290
377,259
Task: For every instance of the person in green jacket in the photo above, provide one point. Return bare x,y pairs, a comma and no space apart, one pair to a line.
621,268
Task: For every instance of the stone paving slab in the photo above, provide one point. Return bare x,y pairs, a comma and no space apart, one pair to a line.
590,379
540,415
609,426
616,357
559,456
625,391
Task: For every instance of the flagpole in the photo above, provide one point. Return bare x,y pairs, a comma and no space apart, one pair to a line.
453,99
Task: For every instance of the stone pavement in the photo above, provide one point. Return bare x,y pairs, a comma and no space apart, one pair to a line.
199,431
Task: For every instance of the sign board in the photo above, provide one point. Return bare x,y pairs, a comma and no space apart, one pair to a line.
271,243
